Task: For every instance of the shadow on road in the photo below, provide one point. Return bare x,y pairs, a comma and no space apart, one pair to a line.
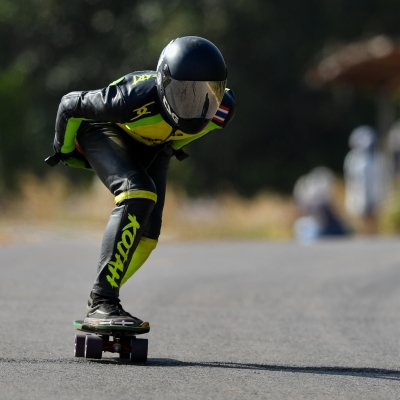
332,370
378,373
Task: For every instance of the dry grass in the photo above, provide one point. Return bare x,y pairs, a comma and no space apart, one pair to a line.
53,206
389,219
228,216
54,203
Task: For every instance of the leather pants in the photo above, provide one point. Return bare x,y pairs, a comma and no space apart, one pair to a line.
136,175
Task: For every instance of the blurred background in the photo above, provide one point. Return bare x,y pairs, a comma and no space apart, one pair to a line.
305,76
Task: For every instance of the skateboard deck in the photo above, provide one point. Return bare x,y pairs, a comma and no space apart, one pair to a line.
96,340
80,325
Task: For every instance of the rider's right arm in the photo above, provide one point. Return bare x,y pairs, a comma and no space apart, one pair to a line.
105,105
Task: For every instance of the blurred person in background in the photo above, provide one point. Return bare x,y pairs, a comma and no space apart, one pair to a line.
313,195
366,178
127,133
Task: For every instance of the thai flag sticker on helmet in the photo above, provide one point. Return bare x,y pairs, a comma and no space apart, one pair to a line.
221,114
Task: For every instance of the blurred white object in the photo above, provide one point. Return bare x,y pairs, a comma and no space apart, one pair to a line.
314,189
313,195
306,229
365,173
362,138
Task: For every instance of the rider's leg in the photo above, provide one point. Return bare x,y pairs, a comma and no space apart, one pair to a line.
148,242
113,159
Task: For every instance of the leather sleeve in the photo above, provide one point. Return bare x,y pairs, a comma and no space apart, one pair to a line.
106,105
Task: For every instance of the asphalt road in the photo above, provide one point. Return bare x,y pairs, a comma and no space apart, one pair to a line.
230,320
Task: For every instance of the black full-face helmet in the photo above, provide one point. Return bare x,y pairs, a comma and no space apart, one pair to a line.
191,81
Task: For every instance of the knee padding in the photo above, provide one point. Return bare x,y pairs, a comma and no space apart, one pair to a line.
136,194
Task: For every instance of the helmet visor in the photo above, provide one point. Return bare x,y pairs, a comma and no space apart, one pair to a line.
194,99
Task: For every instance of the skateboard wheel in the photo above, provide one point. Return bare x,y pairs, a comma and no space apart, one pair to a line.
93,347
79,345
139,350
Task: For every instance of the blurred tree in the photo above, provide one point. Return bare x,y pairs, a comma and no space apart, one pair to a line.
281,130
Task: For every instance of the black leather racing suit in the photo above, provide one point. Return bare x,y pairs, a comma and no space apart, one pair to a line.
123,134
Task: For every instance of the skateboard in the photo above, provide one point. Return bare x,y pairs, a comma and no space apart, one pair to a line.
96,339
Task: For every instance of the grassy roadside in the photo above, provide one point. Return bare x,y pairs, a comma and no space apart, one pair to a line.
52,207
55,204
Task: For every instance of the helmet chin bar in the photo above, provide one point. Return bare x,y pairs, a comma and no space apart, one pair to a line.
193,126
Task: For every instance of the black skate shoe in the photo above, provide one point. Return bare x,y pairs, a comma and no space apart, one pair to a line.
108,311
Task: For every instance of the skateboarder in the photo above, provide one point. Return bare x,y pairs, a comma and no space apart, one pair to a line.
127,133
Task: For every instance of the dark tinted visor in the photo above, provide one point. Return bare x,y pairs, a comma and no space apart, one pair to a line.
194,99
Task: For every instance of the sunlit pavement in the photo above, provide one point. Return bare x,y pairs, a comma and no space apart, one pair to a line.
229,320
